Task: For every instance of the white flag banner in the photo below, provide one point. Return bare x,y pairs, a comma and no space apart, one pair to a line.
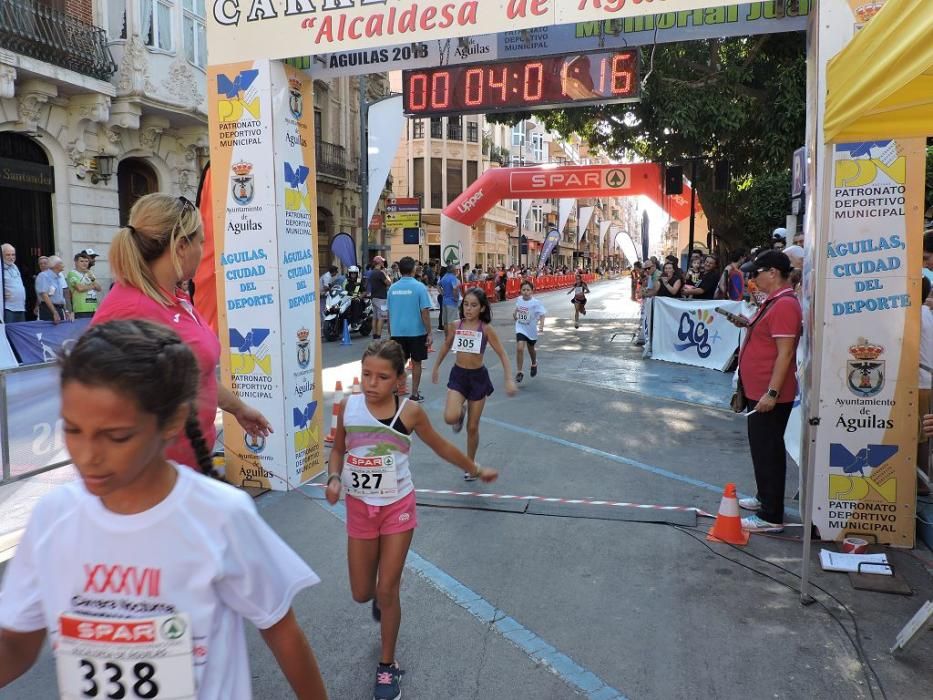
693,333
564,207
625,243
603,230
386,125
583,220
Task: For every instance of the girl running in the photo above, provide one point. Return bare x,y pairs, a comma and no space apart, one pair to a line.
529,321
374,430
143,570
469,383
579,291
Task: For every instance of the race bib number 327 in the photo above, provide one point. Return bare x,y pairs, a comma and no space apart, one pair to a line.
148,658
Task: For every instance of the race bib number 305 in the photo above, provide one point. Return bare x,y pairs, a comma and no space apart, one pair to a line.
149,658
468,341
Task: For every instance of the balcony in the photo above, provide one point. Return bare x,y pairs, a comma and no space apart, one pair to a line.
331,160
49,35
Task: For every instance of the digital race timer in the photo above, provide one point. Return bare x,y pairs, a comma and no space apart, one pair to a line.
577,79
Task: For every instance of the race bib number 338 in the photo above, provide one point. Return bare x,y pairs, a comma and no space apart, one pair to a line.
148,658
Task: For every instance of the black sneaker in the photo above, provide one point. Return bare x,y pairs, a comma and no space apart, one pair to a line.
534,370
519,377
416,397
377,613
387,686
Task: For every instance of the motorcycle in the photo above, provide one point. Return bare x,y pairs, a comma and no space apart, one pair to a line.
337,303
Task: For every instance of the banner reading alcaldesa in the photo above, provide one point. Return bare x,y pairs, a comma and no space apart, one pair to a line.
866,442
550,243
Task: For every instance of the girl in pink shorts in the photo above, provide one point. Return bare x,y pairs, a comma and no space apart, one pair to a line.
370,461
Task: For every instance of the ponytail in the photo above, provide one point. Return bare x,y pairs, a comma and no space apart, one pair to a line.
130,267
198,444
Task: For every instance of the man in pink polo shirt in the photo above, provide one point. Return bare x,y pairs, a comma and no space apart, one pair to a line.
766,368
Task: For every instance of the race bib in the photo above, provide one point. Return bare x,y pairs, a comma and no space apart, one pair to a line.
522,314
468,341
578,291
147,658
370,476
91,295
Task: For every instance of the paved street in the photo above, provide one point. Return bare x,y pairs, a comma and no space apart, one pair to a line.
500,604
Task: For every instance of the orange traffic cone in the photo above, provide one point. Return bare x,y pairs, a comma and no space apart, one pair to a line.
403,382
728,525
356,389
335,411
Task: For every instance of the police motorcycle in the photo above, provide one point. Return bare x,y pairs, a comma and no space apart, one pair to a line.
340,305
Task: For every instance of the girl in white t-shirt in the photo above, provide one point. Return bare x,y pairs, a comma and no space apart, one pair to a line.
529,321
143,571
369,460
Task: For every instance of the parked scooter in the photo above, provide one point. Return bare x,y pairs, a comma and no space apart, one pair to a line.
337,305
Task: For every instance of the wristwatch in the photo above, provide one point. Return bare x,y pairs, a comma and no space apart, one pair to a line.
772,393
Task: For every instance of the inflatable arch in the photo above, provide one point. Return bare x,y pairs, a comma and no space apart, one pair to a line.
549,182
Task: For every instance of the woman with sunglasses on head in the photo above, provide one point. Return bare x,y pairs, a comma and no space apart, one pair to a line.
152,258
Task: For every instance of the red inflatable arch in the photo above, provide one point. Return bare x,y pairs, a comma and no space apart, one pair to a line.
550,182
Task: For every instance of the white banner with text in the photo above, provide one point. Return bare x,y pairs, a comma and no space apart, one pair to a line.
693,333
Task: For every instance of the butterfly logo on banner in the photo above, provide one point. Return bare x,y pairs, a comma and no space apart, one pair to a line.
295,177
236,97
305,433
250,351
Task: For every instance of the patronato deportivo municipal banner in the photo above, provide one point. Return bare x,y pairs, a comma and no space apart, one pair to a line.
747,19
262,149
866,442
693,333
273,29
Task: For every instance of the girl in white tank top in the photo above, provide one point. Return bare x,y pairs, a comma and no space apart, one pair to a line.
370,461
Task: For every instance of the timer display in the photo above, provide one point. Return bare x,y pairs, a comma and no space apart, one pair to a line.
574,79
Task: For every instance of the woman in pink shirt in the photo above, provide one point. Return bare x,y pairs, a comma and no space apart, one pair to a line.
151,258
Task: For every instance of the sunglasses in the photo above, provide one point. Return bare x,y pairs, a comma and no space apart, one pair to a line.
186,206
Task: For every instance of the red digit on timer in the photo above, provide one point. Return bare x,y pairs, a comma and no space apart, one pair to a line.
536,70
440,90
501,83
621,75
418,92
474,87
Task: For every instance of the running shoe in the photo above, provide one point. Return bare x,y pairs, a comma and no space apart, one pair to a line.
755,524
749,503
519,377
377,613
576,325
387,682
458,426
416,397
534,370
469,477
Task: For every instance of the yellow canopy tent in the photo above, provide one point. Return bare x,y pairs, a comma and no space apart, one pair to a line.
881,84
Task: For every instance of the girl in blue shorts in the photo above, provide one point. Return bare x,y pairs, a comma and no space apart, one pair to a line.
370,462
469,382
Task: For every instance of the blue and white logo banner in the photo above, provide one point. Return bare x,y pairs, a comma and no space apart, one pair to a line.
41,341
694,333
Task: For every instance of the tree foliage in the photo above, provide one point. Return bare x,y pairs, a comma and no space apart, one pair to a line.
742,100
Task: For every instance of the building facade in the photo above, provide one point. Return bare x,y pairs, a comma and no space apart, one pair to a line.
104,101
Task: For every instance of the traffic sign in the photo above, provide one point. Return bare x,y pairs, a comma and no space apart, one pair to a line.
403,212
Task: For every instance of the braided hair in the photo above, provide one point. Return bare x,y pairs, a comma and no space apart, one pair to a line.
147,362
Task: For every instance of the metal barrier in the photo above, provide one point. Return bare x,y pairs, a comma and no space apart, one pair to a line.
31,437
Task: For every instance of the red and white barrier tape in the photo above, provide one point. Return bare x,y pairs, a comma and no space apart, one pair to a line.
573,501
